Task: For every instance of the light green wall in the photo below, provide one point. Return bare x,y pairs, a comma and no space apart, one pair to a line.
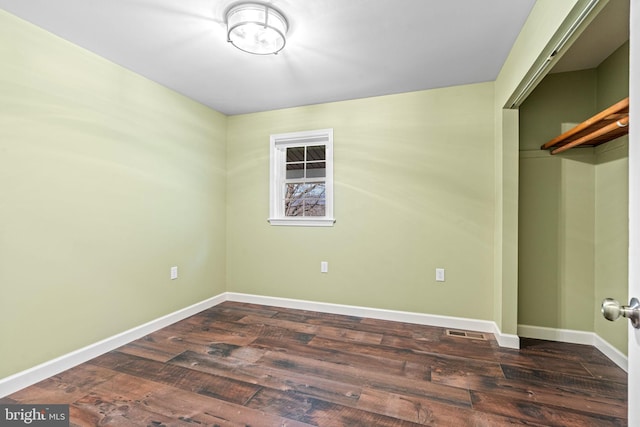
561,97
505,261
539,251
612,203
413,191
556,253
613,77
556,218
107,180
573,206
612,236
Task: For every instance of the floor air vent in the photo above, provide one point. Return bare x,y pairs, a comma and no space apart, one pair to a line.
466,334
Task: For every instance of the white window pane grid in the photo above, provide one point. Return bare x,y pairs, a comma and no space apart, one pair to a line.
306,162
302,178
305,199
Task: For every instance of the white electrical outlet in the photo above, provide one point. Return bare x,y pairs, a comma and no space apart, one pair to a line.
174,272
324,267
439,274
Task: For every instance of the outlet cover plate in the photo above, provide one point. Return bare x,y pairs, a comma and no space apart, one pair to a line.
324,267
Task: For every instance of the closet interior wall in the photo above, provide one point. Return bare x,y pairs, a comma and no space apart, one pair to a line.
573,206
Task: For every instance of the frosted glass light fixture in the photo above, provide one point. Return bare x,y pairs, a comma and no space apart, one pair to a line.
256,28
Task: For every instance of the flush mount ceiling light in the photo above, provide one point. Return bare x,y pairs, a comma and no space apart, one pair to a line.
256,28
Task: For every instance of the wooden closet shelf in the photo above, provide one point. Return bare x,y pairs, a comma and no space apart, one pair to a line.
605,126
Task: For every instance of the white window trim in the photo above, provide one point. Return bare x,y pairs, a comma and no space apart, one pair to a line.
276,176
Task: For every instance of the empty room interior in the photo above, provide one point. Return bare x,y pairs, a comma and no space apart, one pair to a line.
380,221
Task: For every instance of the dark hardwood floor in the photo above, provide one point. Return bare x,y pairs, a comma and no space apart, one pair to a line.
248,365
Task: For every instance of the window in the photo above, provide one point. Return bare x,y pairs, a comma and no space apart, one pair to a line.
302,178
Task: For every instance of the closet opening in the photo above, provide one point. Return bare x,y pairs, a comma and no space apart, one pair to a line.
573,205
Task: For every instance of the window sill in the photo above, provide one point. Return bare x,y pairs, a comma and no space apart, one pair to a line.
303,222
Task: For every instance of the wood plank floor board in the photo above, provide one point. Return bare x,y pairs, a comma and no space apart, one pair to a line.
279,378
204,334
484,351
388,352
539,413
564,351
554,395
314,329
242,364
606,372
154,403
219,387
399,370
94,409
233,329
453,346
117,402
325,319
352,358
107,408
202,410
461,372
559,396
424,411
368,378
536,361
156,346
402,329
610,389
231,308
373,326
67,386
318,412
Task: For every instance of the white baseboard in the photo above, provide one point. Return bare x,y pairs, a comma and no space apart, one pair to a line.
504,340
612,353
553,334
576,337
28,377
45,370
53,367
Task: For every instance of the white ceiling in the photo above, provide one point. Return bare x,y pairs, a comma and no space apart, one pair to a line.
336,49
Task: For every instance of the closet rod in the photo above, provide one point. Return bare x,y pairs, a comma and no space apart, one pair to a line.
593,135
603,115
